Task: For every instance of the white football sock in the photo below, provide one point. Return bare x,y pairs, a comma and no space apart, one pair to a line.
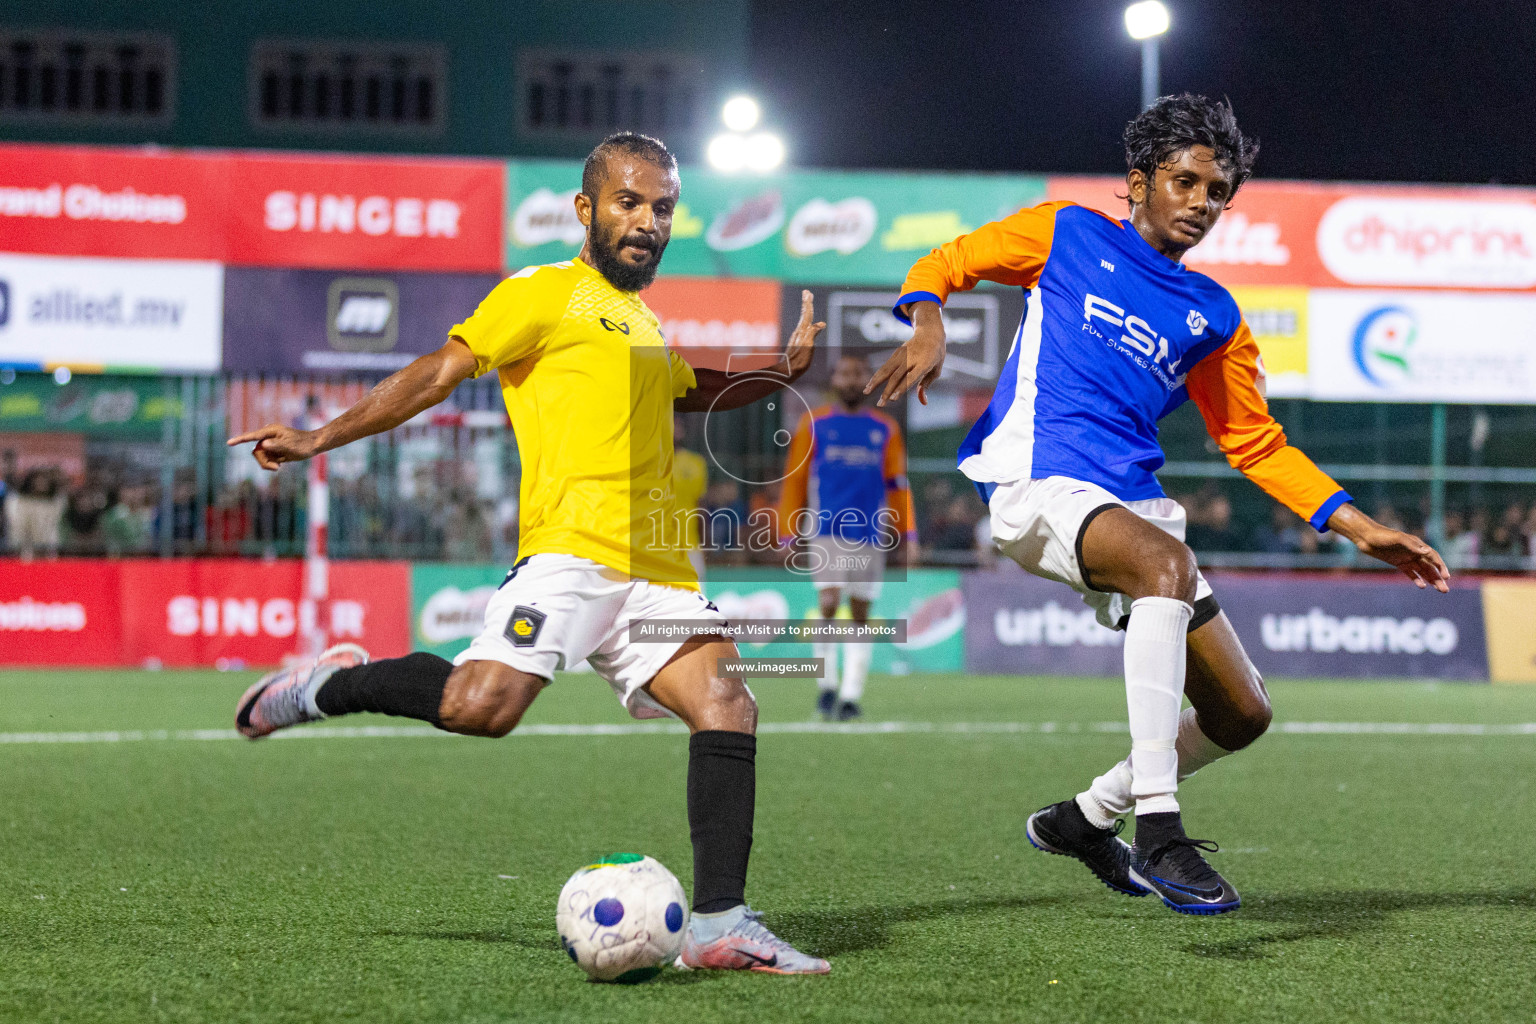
856,661
828,654
1155,640
1110,795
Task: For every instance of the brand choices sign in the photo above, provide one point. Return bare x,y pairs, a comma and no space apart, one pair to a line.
78,200
192,612
717,314
400,213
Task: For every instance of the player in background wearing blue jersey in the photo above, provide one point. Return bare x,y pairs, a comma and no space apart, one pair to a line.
846,497
1117,333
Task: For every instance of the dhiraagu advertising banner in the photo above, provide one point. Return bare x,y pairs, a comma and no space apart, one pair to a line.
812,226
448,610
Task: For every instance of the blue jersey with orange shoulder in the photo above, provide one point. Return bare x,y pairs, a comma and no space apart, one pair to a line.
844,469
1114,337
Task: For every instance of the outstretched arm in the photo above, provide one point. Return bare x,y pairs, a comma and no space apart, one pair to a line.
1009,251
1417,560
1228,388
721,389
419,386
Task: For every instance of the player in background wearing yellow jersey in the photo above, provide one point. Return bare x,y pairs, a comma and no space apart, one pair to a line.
591,389
690,479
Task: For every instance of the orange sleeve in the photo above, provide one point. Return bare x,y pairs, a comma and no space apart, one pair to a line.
898,494
1227,387
796,487
1010,251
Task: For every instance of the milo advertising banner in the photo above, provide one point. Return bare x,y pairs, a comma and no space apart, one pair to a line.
448,604
816,226
448,610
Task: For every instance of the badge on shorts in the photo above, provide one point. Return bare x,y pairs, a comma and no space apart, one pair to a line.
523,628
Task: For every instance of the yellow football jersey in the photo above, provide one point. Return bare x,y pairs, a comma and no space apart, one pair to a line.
690,479
589,385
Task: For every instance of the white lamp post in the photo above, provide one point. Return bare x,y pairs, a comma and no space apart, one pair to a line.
1146,21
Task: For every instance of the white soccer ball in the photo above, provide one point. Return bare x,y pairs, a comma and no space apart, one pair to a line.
622,918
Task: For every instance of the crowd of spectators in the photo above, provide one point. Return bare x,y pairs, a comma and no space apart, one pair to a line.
47,513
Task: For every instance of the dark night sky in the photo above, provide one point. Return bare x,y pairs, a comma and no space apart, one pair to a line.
1334,90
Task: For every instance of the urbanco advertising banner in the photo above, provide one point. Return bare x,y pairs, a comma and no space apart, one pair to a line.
850,227
90,201
341,321
192,612
387,213
1020,624
448,610
1401,346
1367,626
110,314
1378,626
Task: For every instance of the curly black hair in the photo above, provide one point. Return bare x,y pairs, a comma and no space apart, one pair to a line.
1176,123
632,143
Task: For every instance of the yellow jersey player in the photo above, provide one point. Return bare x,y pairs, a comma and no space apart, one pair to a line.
591,389
690,479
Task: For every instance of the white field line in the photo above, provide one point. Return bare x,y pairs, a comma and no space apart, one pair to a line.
324,732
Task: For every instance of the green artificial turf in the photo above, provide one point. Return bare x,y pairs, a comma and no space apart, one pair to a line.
413,879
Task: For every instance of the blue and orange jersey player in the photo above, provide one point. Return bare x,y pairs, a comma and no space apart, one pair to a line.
845,495
1118,333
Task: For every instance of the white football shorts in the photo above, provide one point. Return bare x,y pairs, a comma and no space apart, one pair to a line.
855,567
1040,523
553,611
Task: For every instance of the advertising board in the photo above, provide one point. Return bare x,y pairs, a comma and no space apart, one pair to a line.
338,321
111,314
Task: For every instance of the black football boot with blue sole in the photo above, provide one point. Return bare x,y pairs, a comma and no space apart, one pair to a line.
1063,829
1169,863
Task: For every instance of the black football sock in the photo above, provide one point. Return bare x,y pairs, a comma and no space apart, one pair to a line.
1153,830
722,793
1074,824
411,686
